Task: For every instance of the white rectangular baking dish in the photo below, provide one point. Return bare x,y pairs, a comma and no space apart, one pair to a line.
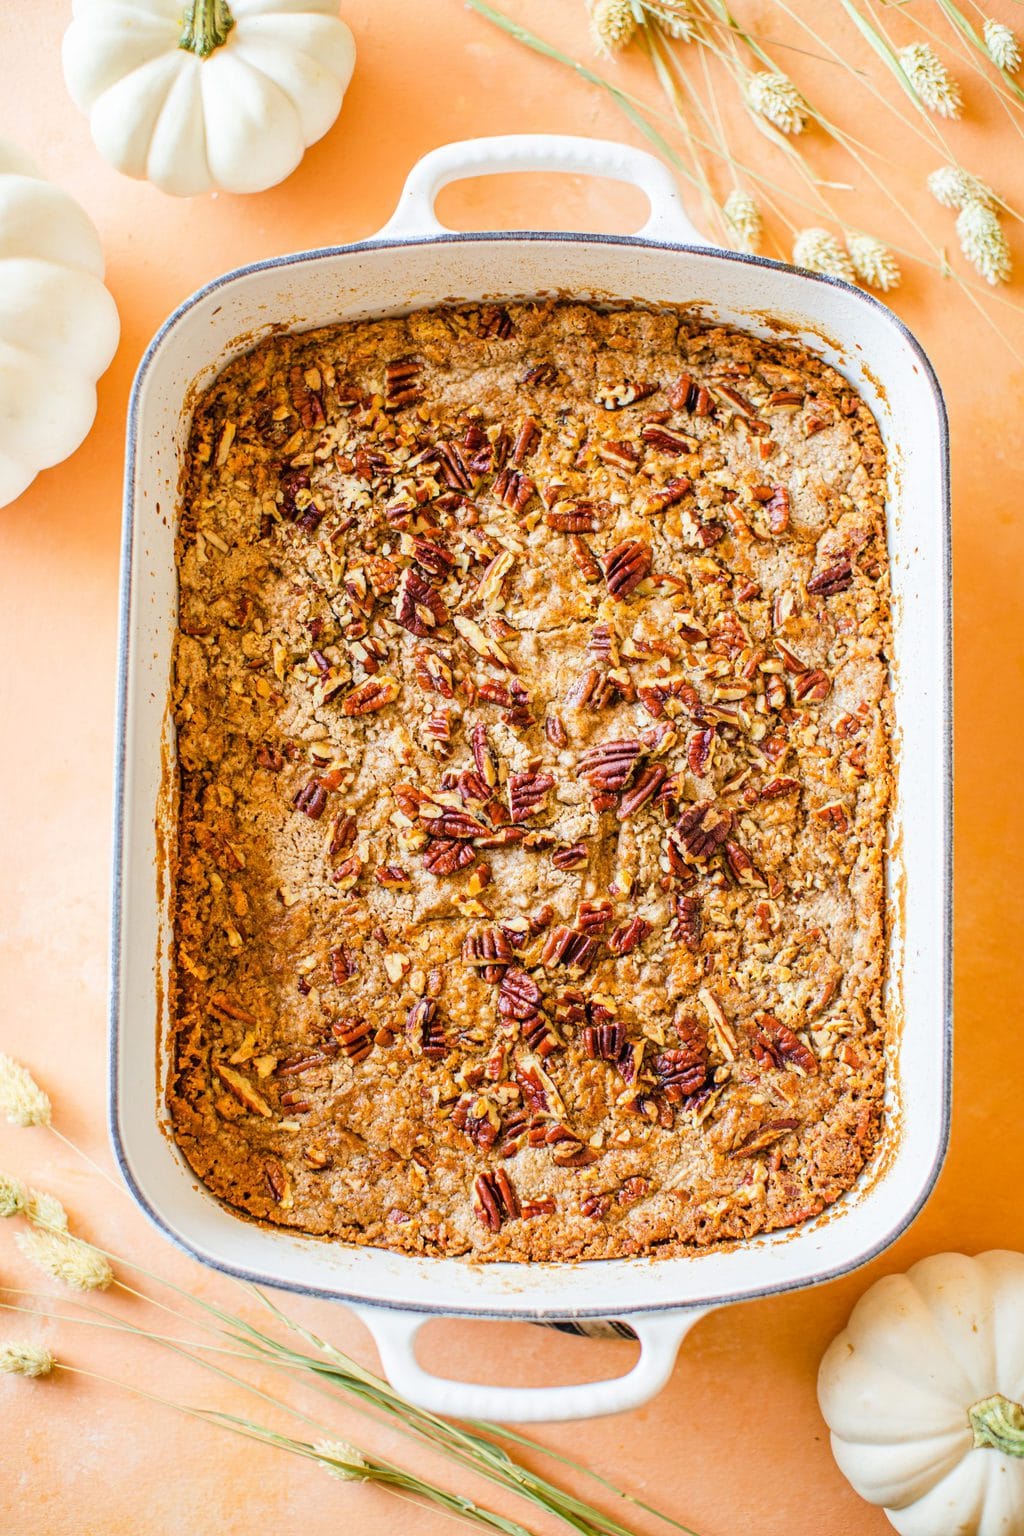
415,262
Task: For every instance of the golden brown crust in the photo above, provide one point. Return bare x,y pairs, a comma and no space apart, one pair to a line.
533,712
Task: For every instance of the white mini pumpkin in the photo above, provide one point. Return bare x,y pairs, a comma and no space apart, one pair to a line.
58,324
202,95
923,1390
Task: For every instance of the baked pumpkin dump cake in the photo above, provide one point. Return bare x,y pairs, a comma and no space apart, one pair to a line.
533,725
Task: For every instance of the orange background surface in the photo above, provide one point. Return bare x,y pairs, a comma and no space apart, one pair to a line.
736,1442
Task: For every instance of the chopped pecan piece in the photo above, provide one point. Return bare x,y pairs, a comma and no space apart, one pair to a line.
342,965
401,383
489,949
355,1037
555,731
668,496
764,1137
484,755
418,605
586,561
572,857
593,1207
534,1208
433,674
371,695
513,489
541,373
620,455
683,1071
593,916
776,788
426,1029
495,1200
457,824
392,877
615,397
311,799
243,1090
564,946
633,1189
835,578
526,441
610,765
687,395
439,731
527,792
277,1180
490,650
604,1042
741,864
625,567
267,756
624,939
667,440
540,1037
428,554
519,996
478,1119
698,753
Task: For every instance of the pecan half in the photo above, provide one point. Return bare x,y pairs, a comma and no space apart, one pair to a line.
702,828
776,788
683,1071
689,924
478,1119
774,1044
401,382
527,792
625,567
418,605
372,694
585,559
812,686
668,496
519,996
494,323
355,1037
433,674
304,386
484,755
604,1042
573,516
698,752
572,857
835,578
687,395
454,469
495,1199
526,441
342,964
620,455
513,489
615,397
311,799
624,939
426,1029
541,373
593,916
667,440
565,947
489,949
445,855
593,1207
610,765
777,509
646,786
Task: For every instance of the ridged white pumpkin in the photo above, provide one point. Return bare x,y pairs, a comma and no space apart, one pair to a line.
58,324
201,95
923,1390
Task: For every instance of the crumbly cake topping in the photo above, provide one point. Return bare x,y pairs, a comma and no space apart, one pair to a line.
532,709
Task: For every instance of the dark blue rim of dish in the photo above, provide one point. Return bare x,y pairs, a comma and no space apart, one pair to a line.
535,1314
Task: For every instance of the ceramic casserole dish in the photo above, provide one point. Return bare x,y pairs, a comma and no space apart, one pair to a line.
414,262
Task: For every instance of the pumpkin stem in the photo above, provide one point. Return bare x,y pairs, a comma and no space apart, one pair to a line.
206,26
998,1421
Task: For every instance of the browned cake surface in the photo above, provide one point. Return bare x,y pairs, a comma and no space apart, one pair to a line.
532,709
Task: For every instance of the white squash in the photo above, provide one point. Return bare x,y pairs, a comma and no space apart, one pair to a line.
923,1390
196,95
58,324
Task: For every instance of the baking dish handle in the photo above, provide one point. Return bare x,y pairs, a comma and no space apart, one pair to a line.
415,214
659,1333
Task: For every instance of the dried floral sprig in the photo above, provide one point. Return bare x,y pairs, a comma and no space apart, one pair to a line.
67,1259
25,1359
983,242
952,186
818,251
613,24
873,262
13,1195
774,97
931,80
44,1210
21,1098
744,219
675,20
1003,46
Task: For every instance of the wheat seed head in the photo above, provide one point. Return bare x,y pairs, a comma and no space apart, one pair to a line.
818,251
1003,46
983,242
774,97
21,1098
66,1259
932,81
26,1360
874,263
